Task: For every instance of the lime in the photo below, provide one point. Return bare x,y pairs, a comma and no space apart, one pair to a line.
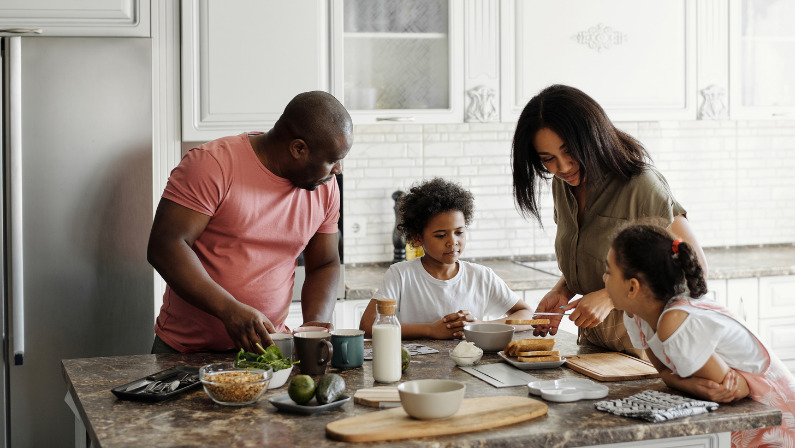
406,358
301,389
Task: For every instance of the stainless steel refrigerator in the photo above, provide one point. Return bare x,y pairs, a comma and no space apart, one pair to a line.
77,210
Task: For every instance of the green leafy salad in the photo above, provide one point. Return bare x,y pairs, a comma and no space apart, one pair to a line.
270,356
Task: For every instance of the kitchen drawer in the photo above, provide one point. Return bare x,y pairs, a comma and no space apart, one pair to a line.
779,336
776,297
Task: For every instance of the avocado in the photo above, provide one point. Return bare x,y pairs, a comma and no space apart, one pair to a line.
329,388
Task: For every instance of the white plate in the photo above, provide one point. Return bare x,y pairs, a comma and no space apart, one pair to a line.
531,365
568,389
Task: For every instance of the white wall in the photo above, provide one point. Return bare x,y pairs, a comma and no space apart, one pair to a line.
735,178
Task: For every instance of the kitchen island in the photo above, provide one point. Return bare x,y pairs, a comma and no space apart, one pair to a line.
194,420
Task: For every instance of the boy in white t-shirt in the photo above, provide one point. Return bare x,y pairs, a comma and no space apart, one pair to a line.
697,346
438,294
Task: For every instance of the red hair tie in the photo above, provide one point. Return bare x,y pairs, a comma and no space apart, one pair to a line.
675,245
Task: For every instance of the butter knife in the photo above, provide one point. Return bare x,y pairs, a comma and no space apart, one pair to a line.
551,314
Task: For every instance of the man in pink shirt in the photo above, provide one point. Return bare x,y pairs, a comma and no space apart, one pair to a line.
234,217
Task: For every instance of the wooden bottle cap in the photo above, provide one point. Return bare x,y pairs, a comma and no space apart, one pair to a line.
385,306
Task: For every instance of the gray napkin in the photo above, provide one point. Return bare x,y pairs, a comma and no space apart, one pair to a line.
655,406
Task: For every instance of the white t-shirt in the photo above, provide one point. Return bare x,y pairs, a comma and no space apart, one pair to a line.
421,298
702,333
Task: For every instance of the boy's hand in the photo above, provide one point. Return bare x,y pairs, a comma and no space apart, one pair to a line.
442,330
459,319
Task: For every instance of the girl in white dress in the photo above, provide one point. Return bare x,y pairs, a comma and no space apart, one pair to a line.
697,346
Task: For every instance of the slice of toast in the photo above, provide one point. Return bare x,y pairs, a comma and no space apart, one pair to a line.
539,359
528,345
539,353
527,321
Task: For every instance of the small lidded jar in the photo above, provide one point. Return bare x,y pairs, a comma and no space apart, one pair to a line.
387,343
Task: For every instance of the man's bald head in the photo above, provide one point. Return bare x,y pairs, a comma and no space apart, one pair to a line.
314,117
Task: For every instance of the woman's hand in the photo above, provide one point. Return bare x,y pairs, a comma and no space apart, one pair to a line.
553,302
590,309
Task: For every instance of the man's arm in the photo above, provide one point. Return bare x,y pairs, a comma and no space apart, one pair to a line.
174,230
322,265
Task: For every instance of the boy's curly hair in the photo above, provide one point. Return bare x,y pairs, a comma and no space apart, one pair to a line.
428,199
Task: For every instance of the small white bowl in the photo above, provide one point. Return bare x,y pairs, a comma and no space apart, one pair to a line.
430,399
280,378
466,360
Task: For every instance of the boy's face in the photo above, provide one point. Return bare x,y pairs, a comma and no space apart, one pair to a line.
444,237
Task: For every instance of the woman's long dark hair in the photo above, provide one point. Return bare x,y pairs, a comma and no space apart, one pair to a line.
645,251
591,138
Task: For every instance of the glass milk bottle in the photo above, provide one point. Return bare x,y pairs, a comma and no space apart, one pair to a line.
387,344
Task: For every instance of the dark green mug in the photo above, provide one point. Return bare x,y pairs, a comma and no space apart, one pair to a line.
348,348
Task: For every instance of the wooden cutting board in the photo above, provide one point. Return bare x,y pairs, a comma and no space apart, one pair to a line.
376,396
475,414
612,366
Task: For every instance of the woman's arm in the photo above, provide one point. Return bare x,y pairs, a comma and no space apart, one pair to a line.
681,228
552,302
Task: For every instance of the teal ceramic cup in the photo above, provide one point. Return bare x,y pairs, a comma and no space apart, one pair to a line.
348,348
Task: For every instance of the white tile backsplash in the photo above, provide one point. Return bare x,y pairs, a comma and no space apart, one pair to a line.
734,178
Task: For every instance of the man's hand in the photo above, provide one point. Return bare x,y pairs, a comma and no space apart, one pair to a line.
247,326
591,309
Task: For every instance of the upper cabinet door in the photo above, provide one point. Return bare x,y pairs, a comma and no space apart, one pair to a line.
399,60
635,57
244,60
762,45
75,18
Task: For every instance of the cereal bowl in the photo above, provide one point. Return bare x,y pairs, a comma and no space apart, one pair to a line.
489,337
234,386
430,399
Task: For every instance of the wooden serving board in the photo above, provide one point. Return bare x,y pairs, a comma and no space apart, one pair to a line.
475,414
376,396
612,366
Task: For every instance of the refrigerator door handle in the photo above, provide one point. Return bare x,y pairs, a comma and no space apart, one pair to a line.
14,196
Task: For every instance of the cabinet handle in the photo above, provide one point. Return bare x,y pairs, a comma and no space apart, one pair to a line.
22,30
742,310
394,119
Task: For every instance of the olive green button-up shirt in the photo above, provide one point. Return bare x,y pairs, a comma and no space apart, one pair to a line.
610,202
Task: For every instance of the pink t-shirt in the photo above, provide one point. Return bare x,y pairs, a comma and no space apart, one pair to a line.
259,224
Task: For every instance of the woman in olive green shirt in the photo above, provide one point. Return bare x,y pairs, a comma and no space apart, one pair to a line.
601,178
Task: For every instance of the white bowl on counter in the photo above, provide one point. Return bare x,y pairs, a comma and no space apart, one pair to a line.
279,378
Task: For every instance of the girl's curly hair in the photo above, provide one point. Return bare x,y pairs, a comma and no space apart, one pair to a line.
644,250
428,199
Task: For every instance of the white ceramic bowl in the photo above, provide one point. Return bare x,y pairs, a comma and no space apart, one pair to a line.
234,386
466,360
489,337
280,378
430,399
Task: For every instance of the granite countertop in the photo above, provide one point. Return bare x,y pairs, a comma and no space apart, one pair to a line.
194,420
541,272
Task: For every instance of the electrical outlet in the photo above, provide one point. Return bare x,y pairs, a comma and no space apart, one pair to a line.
354,228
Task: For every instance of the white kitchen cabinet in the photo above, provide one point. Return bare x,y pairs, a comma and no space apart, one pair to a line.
349,313
762,42
742,299
777,316
635,57
128,18
399,61
244,60
296,316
